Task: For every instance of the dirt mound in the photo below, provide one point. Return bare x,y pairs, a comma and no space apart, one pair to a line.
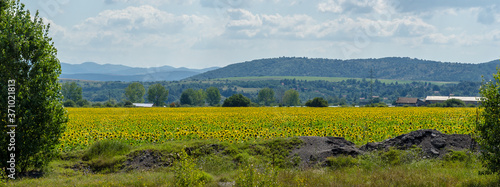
432,142
316,149
148,159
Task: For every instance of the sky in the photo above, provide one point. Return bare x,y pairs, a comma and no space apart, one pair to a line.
208,33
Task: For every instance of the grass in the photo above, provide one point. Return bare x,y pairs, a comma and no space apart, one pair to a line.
330,79
209,163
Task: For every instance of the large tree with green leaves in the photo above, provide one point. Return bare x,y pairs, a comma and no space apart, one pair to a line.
157,94
488,124
187,97
266,96
29,71
236,100
291,98
71,91
213,96
135,92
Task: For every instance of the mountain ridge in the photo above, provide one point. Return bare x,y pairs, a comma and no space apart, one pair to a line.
115,72
399,68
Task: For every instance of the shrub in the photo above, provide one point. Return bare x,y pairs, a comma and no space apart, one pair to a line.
488,125
454,156
391,157
256,175
236,100
106,148
69,103
83,103
341,161
317,102
187,174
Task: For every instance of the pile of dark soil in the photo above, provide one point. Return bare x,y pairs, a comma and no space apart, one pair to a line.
433,144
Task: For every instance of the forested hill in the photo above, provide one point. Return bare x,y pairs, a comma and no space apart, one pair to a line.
383,68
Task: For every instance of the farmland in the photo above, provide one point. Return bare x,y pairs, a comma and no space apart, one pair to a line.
137,126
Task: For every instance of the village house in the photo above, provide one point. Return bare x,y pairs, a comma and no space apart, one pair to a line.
406,101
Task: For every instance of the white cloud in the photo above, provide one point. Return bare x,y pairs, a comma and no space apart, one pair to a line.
139,26
150,2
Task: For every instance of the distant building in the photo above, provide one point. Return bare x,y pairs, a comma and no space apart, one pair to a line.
143,104
441,99
406,101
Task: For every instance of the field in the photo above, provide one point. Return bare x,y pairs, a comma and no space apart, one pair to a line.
137,126
240,147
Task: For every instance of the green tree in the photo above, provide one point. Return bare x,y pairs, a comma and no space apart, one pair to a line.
266,96
187,97
488,124
135,92
29,71
317,102
236,100
213,96
71,91
454,103
199,97
157,94
291,98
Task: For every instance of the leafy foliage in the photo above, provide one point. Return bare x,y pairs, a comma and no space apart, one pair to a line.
157,94
237,100
213,96
317,102
71,91
28,57
135,92
266,96
291,98
192,97
488,126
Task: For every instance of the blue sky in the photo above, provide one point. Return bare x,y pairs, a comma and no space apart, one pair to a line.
207,33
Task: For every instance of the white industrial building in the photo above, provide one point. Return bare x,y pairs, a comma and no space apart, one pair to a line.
441,99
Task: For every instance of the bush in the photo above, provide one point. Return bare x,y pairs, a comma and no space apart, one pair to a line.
97,105
106,148
488,125
69,103
187,174
454,103
341,162
236,100
128,104
454,156
391,157
317,102
83,103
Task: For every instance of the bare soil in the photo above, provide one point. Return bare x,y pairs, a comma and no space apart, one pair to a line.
433,144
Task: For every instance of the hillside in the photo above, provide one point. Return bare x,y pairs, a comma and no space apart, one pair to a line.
383,68
111,72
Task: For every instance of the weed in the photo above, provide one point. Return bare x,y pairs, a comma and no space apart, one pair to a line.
106,148
341,162
187,174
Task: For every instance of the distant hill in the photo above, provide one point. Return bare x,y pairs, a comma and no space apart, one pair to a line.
111,72
384,68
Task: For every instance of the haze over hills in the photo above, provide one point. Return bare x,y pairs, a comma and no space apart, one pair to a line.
111,72
383,68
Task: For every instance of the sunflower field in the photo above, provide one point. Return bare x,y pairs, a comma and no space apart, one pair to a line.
156,125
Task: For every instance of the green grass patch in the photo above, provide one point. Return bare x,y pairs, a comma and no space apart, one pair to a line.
262,163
